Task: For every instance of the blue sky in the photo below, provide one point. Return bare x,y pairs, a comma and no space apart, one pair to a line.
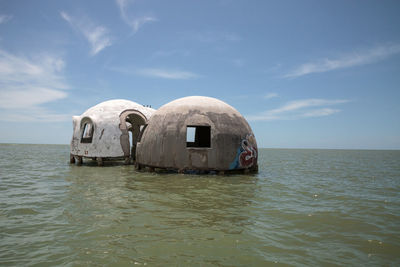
305,74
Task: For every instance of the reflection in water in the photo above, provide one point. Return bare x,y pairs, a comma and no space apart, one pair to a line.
157,216
199,200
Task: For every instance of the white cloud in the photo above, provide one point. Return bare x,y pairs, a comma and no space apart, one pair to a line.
305,103
25,84
134,22
349,60
44,70
28,97
35,114
168,74
320,112
270,95
156,73
97,36
5,18
297,109
98,39
138,22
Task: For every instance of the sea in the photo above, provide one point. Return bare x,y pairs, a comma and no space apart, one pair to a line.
305,207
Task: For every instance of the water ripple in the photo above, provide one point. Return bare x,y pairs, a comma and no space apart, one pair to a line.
304,207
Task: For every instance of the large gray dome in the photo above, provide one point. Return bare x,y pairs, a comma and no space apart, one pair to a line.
197,133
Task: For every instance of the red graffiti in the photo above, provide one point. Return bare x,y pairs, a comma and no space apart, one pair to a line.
248,157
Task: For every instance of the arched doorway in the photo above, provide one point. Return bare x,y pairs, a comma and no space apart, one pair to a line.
131,123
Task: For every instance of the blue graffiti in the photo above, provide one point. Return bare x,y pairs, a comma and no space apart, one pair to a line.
235,164
246,154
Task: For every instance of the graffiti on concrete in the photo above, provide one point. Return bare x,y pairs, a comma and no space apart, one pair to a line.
246,155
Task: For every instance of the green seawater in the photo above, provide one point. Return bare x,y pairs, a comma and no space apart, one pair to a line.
303,208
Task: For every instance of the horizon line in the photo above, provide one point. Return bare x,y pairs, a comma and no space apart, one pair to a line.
282,148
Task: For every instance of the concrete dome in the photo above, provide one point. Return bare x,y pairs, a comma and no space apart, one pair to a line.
111,109
102,131
197,133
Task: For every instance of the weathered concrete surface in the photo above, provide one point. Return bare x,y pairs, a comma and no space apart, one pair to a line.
163,143
110,135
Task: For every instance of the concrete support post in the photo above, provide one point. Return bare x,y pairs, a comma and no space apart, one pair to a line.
138,166
100,161
256,168
78,160
71,159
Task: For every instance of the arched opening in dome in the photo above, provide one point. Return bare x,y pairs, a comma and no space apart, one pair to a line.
87,130
132,123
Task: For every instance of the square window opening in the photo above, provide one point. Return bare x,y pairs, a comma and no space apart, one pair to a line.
198,136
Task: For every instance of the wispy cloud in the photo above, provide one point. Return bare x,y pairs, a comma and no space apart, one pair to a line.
5,18
29,97
134,22
345,61
26,84
270,95
34,114
168,74
157,73
304,108
97,36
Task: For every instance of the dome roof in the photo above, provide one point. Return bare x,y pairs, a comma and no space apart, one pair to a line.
198,103
114,108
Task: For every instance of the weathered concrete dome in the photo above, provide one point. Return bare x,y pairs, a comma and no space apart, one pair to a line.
197,133
102,131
